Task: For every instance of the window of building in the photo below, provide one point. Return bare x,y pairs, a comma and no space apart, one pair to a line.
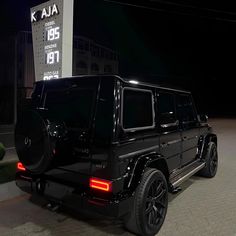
107,69
94,67
106,54
95,51
138,112
81,65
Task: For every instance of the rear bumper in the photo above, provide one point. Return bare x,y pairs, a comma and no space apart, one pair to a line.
67,195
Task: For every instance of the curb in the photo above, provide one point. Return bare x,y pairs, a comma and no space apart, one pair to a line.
6,162
10,156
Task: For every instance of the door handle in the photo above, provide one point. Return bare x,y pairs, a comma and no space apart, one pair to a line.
168,125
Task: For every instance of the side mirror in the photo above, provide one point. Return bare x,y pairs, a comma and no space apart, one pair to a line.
203,118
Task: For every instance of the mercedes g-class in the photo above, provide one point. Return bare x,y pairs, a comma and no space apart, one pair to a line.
112,146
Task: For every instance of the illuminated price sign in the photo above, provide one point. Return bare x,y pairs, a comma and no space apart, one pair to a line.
52,29
52,57
53,34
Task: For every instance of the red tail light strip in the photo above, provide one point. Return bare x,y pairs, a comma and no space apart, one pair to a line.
103,185
20,166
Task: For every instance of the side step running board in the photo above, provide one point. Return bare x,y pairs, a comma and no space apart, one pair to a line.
179,179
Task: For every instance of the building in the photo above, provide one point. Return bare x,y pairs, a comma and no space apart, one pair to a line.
89,57
92,58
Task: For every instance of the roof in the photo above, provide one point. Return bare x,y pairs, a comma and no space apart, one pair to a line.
137,81
131,81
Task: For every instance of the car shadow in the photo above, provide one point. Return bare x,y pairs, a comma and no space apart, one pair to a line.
184,186
108,226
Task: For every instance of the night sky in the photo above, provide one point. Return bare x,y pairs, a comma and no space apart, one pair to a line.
184,43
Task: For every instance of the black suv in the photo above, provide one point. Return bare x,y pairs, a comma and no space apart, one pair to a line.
112,146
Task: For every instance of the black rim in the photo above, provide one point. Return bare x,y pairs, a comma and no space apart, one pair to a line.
213,160
156,203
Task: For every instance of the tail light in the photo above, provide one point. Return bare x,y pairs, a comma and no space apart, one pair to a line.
20,166
100,184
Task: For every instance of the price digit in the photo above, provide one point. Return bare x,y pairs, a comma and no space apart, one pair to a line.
52,57
53,34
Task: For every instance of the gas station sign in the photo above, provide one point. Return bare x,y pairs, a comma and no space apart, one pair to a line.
52,30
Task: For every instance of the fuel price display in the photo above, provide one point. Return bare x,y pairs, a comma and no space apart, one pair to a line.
49,21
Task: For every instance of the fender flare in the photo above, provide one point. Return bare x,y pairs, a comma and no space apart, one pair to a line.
138,166
204,140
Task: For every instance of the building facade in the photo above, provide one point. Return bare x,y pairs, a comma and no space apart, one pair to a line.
92,58
89,57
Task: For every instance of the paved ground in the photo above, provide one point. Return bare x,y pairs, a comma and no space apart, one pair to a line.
10,156
204,207
7,138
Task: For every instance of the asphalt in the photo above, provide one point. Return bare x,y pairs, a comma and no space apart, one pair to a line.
10,156
7,138
203,207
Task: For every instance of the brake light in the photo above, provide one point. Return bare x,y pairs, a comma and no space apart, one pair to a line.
100,184
20,166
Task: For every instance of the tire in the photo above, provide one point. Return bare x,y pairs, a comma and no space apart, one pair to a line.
211,158
150,204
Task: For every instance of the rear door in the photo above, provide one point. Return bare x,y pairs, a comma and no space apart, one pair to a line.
187,116
138,135
70,104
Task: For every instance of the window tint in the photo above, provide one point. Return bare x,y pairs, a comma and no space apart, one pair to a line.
166,108
36,95
137,109
185,110
73,106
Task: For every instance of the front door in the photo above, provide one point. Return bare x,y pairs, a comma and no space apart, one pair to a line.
189,125
170,136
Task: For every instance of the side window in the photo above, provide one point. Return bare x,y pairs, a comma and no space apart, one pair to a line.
137,109
36,94
185,110
166,112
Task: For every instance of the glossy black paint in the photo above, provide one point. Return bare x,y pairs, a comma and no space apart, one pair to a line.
107,151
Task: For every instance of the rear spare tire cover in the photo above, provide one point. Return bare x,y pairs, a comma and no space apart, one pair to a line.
32,142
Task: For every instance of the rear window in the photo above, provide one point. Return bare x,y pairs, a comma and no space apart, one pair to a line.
137,109
36,94
73,106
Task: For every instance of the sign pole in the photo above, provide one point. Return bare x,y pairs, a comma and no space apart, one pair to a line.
67,47
52,31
